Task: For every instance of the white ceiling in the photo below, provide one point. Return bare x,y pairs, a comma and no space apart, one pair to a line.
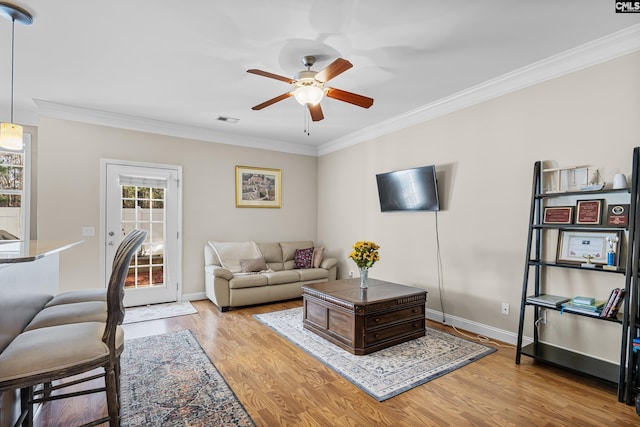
176,66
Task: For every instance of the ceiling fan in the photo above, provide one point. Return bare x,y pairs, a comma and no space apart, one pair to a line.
309,87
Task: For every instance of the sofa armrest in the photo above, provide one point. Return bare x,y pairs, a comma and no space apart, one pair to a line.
222,273
328,263
216,285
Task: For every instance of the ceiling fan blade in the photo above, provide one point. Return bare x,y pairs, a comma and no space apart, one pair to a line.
334,69
351,98
316,112
270,75
272,101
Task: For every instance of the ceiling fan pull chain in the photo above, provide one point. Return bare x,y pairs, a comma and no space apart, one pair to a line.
306,120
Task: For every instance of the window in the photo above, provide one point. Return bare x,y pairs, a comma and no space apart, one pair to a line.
143,207
14,192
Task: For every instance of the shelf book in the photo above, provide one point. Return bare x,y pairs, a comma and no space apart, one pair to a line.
584,305
613,304
552,301
573,308
583,300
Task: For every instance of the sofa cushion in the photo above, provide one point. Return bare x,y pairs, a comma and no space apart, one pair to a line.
253,265
272,253
289,251
248,280
318,253
312,274
280,277
210,256
230,253
303,258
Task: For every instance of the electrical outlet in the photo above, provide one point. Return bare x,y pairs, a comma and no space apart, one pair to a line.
351,274
505,308
543,316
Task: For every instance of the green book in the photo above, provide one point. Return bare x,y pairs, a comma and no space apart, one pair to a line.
583,300
596,307
570,308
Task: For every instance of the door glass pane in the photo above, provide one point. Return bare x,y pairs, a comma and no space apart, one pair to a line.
144,208
11,194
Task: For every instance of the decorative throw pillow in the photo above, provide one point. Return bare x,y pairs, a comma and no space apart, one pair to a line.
317,257
252,265
303,258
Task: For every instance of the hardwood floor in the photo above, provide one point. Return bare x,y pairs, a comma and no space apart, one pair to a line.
281,385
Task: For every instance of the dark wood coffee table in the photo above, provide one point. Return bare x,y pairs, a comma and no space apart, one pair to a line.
362,321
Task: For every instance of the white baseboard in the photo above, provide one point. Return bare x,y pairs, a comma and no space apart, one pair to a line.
477,328
193,297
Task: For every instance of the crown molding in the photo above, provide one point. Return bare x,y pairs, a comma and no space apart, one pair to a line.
86,115
589,54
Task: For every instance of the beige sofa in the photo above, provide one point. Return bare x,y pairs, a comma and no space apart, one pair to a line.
227,285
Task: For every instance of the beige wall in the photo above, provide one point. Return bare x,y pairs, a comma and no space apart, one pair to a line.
484,156
68,168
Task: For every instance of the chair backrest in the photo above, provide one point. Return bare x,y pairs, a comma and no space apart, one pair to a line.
122,247
115,290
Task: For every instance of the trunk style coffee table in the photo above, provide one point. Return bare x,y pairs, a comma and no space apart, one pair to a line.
362,321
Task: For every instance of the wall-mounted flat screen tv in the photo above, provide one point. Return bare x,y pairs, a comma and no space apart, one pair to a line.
408,190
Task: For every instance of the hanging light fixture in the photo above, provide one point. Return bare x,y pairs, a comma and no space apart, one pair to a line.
11,133
308,94
309,91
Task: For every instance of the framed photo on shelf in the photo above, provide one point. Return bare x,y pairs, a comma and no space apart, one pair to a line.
579,246
589,212
618,215
258,187
558,215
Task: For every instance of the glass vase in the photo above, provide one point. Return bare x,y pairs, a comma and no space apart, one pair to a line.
364,277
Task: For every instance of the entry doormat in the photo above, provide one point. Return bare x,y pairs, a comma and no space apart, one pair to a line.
158,311
168,380
388,372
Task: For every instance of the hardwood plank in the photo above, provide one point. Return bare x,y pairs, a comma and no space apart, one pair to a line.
281,385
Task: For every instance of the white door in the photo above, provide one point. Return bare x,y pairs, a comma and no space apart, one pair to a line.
147,197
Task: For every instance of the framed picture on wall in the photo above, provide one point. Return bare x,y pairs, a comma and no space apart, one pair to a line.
258,187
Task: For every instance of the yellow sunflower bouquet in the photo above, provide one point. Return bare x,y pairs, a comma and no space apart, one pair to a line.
365,254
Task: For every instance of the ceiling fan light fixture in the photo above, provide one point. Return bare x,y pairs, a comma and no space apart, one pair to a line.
308,95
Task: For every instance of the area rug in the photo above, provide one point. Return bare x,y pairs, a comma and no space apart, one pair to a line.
167,380
158,311
385,373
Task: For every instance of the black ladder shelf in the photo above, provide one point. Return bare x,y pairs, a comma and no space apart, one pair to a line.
534,283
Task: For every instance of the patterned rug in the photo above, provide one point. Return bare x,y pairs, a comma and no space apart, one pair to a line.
158,311
385,373
167,380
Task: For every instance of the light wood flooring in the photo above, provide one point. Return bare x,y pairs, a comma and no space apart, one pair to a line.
281,385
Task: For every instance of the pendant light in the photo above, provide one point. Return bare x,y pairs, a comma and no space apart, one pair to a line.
11,133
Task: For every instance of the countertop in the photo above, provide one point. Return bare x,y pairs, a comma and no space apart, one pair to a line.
15,251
